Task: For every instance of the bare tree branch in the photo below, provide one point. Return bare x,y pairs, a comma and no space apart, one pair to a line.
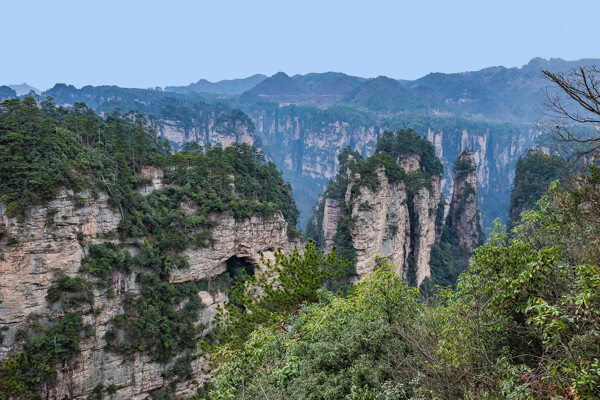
573,105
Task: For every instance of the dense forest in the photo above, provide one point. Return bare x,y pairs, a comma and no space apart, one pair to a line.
523,323
534,173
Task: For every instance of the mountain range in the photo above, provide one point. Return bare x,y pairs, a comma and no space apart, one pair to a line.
302,122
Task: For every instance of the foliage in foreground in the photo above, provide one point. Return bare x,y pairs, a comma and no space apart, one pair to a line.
534,172
277,288
523,323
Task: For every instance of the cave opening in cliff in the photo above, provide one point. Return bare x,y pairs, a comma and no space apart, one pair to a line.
237,265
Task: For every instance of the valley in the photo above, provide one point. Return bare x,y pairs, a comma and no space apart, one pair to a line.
303,122
311,235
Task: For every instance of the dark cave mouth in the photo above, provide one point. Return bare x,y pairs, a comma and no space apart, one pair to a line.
236,266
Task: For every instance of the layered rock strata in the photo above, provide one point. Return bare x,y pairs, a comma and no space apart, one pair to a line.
382,225
52,240
401,220
206,129
463,215
387,221
305,143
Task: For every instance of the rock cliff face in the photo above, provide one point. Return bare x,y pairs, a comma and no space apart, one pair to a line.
425,204
305,143
381,225
393,224
496,149
331,214
212,128
396,210
463,216
388,221
48,242
52,241
286,132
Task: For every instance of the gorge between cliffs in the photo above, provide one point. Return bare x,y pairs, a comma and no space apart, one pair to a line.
115,267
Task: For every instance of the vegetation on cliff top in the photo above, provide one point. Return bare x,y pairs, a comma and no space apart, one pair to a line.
391,148
44,150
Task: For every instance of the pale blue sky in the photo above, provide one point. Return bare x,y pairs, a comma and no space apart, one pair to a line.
150,43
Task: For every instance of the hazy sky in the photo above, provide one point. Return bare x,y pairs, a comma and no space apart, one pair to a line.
150,43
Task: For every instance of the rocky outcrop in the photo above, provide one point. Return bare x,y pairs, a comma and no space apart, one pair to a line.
463,216
387,220
53,239
305,143
410,163
425,204
496,147
244,239
50,241
211,128
331,214
381,225
154,176
133,375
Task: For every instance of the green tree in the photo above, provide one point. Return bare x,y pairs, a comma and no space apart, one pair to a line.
534,173
277,288
335,348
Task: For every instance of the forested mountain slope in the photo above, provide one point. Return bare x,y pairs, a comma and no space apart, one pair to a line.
115,252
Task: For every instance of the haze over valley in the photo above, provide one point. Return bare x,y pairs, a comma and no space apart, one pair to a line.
302,122
299,200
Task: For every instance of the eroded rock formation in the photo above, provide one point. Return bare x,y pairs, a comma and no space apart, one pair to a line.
210,128
463,216
305,143
401,216
51,242
388,220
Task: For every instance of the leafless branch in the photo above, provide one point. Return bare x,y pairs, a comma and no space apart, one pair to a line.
573,105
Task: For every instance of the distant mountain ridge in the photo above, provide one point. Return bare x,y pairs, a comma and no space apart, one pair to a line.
279,84
24,89
7,92
328,83
226,87
495,93
384,94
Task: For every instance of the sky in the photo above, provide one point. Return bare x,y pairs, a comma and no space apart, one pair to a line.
133,43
